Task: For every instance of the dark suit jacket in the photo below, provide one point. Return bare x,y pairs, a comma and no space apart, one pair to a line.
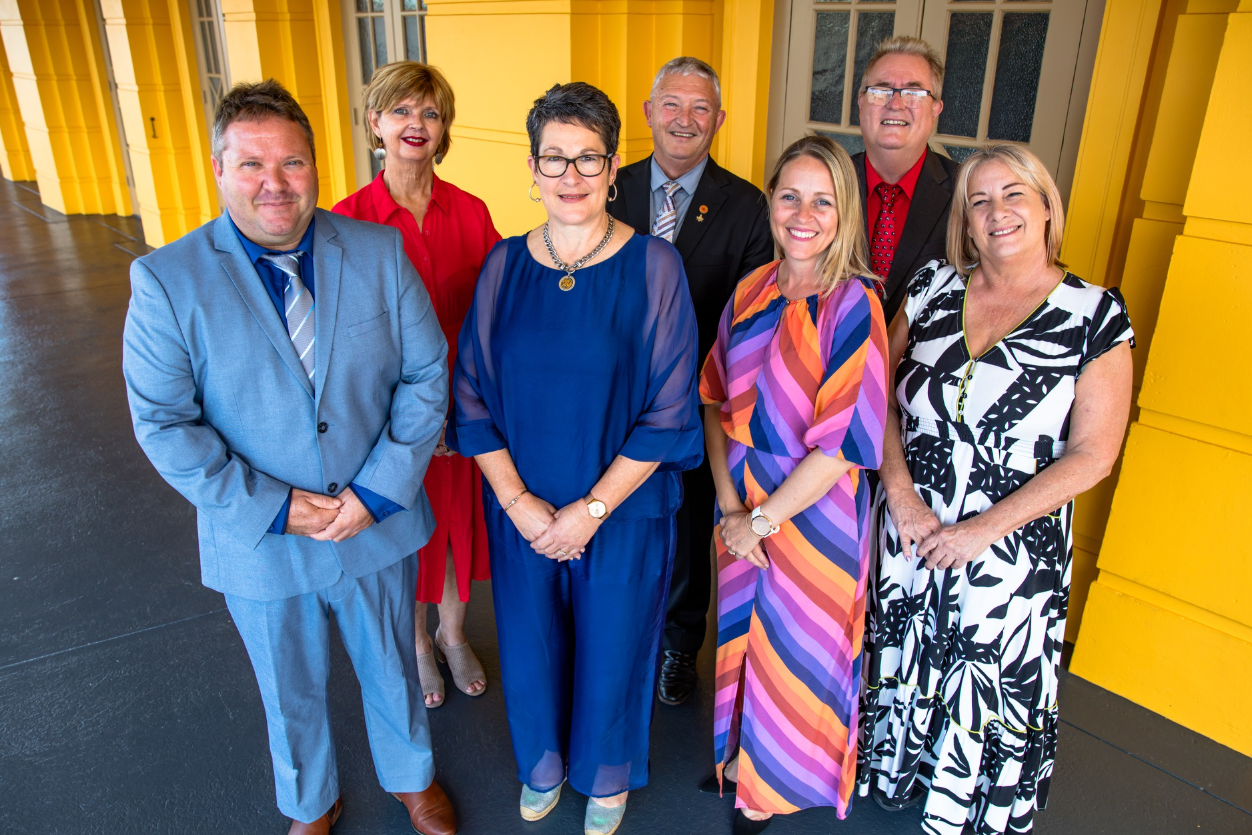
924,237
732,240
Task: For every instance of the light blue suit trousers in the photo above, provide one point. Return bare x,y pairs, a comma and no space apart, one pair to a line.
288,641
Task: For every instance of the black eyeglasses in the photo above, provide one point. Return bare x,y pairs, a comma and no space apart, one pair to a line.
912,97
589,165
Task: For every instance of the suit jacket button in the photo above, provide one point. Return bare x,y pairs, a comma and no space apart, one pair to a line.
332,487
322,427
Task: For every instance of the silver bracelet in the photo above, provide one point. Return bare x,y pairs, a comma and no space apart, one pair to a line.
515,498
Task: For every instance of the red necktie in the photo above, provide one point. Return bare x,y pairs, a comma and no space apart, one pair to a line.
882,246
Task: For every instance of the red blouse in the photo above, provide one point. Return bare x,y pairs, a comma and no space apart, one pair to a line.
448,251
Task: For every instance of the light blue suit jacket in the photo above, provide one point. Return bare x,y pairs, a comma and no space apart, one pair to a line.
223,409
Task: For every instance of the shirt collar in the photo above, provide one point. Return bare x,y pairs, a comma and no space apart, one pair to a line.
385,205
255,250
908,182
686,182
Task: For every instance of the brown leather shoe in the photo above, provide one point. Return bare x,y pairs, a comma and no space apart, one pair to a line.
430,811
322,825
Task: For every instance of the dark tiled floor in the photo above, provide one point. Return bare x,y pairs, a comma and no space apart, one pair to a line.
126,701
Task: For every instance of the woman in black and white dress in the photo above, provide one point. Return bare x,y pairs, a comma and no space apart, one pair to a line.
1012,391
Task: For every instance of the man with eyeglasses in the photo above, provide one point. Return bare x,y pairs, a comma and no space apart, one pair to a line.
720,226
905,187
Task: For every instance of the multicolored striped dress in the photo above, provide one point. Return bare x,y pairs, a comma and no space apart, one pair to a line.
792,377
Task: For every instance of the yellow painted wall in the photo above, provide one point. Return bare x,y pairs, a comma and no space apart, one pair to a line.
617,45
15,161
58,73
1171,610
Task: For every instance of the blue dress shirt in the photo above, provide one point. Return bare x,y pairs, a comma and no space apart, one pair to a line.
686,190
275,281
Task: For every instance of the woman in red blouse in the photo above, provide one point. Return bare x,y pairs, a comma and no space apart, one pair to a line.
447,235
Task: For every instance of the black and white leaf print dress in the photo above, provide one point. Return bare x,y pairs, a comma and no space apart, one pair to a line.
961,684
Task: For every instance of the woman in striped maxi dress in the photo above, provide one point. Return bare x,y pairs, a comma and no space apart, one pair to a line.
796,388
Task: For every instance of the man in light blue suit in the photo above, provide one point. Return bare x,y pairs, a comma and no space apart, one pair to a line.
287,375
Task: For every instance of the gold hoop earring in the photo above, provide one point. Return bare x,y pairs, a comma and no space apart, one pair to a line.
531,196
614,187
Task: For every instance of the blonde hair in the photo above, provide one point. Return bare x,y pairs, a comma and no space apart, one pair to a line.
1028,168
393,83
847,255
906,45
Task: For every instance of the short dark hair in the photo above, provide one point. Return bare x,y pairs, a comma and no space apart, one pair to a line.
576,103
254,102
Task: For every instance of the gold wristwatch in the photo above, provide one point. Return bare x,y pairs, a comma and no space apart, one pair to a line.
596,508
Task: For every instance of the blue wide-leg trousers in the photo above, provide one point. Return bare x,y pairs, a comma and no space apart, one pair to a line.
579,643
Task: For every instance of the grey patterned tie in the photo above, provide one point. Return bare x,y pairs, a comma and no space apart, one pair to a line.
298,303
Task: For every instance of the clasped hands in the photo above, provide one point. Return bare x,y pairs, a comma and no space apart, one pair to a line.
941,546
557,534
327,518
741,543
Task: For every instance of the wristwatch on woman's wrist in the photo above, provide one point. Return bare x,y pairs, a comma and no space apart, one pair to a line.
761,524
596,508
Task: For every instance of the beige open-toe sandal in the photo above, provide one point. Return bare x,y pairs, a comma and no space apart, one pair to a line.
430,677
463,664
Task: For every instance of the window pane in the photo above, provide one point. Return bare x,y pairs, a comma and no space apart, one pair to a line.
410,5
834,1
378,6
969,40
958,153
872,28
412,39
380,41
830,56
362,5
367,48
851,142
1022,35
210,31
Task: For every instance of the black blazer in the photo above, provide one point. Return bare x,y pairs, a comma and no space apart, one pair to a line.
924,237
732,240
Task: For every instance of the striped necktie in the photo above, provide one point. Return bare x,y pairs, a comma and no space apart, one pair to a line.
298,304
667,217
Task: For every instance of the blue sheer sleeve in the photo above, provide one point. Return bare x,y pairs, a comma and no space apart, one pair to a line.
472,431
669,429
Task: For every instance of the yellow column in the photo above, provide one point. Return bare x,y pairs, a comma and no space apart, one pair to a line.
1170,614
299,43
745,73
15,162
1120,226
55,56
154,66
617,45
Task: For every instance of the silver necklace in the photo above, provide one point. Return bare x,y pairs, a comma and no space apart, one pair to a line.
567,281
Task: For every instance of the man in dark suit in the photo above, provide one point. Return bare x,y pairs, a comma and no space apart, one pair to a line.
720,226
905,187
287,375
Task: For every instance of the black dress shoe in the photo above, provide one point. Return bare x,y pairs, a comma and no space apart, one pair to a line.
710,786
896,805
746,826
678,677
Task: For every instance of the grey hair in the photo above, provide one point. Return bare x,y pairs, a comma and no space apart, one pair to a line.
576,103
686,65
907,45
253,103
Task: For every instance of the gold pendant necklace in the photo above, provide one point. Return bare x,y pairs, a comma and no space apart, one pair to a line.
567,281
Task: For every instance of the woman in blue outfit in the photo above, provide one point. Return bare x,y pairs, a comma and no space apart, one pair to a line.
576,394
